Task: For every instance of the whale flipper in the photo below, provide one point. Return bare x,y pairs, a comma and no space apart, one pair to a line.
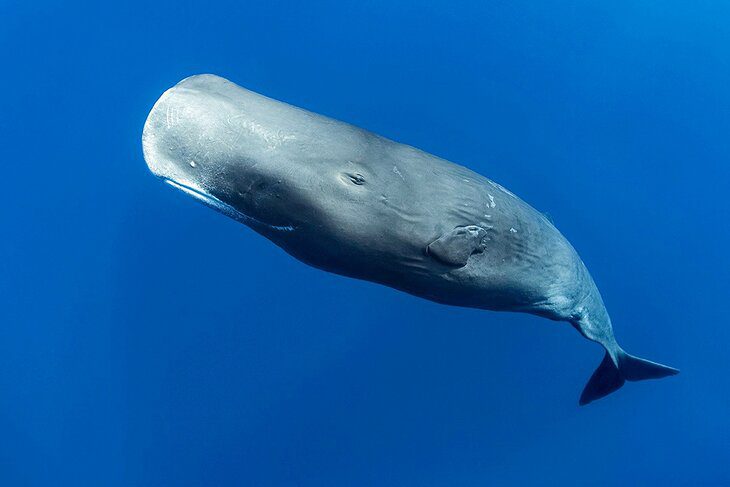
455,247
608,377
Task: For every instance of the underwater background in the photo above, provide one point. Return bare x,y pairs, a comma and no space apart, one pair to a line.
146,340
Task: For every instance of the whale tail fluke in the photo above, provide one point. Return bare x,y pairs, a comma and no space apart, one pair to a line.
609,377
603,382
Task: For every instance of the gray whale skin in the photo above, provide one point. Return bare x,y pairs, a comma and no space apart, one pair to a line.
348,201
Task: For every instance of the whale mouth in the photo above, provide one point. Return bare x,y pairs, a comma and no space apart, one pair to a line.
204,198
225,208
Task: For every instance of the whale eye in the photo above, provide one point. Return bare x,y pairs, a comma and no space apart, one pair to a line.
356,178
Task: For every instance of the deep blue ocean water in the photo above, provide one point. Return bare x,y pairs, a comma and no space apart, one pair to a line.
146,340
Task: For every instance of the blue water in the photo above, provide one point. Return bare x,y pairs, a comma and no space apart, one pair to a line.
146,340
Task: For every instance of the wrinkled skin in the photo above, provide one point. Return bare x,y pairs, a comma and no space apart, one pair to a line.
351,202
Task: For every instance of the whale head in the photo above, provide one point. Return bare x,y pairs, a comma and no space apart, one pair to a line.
302,180
214,141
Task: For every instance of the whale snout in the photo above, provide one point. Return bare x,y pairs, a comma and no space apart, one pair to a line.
200,141
197,136
182,140
177,135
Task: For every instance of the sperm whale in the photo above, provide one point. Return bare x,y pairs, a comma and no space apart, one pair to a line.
348,201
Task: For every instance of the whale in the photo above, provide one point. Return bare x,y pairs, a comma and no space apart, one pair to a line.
351,202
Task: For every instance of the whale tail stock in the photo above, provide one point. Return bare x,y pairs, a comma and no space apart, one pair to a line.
592,321
616,368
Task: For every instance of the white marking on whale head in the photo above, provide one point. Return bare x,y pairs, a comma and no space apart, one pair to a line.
271,138
397,171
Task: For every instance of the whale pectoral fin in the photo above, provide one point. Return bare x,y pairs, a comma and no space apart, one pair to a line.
455,248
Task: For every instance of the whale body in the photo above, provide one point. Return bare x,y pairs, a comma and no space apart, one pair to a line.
351,202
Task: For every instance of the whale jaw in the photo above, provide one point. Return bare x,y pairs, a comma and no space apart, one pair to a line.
224,208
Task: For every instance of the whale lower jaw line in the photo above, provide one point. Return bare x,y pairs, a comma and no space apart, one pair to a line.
220,206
